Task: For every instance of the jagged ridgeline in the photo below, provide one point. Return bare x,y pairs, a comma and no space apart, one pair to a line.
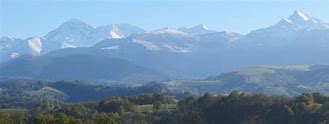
184,53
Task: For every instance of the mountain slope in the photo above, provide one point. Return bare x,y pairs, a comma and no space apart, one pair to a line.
279,80
173,52
272,80
115,31
303,41
74,33
287,30
11,48
79,67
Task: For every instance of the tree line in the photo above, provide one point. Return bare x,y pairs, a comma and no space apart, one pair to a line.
235,108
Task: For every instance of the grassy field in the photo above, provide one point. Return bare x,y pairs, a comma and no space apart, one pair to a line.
45,90
257,70
11,111
296,68
149,108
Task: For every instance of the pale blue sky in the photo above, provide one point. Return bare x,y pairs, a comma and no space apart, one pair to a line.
24,18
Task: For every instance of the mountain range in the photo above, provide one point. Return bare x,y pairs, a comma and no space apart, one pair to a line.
188,53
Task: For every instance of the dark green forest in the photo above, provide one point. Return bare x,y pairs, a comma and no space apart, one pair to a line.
157,108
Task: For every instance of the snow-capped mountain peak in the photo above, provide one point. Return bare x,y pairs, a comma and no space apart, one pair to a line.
74,20
72,29
200,27
298,15
116,31
75,23
197,30
71,33
301,21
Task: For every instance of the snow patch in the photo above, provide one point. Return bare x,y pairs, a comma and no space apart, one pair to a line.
302,15
111,48
36,45
169,31
197,30
176,49
114,33
14,55
205,27
147,45
287,20
67,45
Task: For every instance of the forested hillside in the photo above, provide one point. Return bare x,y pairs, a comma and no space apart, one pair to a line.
26,93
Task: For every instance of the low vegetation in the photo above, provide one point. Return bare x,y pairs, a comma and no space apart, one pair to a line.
235,108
